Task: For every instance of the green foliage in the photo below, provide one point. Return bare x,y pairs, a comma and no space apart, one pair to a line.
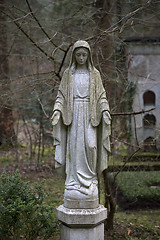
141,219
6,160
22,210
138,185
55,186
140,154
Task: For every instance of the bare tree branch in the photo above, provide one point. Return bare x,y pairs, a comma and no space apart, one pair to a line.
42,107
127,160
132,113
127,143
28,36
126,17
42,28
20,18
64,57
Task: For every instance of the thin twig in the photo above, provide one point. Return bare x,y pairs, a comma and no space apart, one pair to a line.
122,141
43,110
132,113
25,16
129,15
41,27
127,160
28,36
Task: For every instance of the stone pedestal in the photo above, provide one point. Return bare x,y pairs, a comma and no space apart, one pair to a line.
82,224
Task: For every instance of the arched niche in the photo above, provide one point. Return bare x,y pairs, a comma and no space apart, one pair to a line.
150,144
149,121
149,98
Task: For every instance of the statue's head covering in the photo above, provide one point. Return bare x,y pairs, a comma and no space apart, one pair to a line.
98,104
81,44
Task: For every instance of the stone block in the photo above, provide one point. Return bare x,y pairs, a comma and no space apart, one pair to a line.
95,233
82,224
81,217
81,204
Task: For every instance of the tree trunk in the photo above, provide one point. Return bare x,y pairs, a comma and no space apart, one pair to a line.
104,51
110,202
7,134
104,47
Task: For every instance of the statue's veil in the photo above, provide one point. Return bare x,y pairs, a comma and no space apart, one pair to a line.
81,44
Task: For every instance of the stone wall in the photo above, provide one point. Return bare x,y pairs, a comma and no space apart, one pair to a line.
143,63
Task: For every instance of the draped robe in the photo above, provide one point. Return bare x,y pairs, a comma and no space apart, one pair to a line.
81,135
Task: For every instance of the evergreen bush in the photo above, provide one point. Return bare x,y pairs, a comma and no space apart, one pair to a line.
23,214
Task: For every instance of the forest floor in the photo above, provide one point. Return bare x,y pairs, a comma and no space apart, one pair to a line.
129,225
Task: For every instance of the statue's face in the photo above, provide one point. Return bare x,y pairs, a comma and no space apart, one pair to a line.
81,55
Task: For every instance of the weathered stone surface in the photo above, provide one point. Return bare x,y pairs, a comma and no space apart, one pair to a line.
82,224
74,204
144,72
81,217
81,127
95,233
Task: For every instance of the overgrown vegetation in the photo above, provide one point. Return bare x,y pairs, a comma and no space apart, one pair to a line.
23,213
139,185
127,224
137,190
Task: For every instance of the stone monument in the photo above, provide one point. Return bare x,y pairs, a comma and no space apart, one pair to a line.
81,128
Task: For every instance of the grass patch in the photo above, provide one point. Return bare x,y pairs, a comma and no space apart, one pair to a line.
142,154
142,157
6,160
54,186
139,185
137,218
139,224
20,157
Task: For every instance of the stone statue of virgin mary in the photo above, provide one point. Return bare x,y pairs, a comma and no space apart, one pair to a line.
81,127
